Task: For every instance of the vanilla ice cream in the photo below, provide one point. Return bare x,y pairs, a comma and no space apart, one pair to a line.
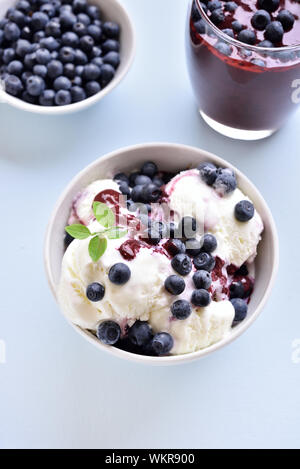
144,296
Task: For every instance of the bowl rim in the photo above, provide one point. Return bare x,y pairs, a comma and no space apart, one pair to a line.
6,98
176,359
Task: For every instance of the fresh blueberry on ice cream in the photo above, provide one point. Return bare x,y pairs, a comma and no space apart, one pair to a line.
160,264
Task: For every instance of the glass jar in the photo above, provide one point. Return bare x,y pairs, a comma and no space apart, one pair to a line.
243,91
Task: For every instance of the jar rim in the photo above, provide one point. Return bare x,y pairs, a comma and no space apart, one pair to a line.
236,42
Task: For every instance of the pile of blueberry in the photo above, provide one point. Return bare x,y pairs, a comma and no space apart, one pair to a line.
264,19
57,52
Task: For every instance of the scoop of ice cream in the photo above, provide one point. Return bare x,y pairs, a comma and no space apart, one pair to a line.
204,327
190,196
136,299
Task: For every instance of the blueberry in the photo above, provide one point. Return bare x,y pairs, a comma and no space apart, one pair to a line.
91,72
62,83
13,85
121,177
237,290
229,32
265,43
39,20
15,68
79,6
208,173
240,308
269,5
247,36
286,56
35,85
48,9
69,71
97,61
95,292
149,169
224,48
204,261
38,36
111,30
202,279
49,43
80,58
23,47
182,264
110,45
25,76
63,98
95,32
136,194
150,193
175,246
53,29
201,298
181,309
12,32
213,5
24,6
107,74
200,26
55,68
79,71
187,227
142,180
287,19
67,54
152,236
40,70
244,211
47,98
230,6
77,94
162,343
274,32
260,20
209,243
217,16
175,284
158,181
124,188
80,29
236,26
140,333
67,20
193,247
87,43
112,58
94,12
28,98
8,55
70,39
84,19
109,332
226,181
132,178
92,88
119,274
43,56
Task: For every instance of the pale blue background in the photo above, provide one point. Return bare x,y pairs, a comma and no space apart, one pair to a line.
56,390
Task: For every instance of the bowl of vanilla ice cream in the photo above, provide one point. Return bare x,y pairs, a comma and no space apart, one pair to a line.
161,253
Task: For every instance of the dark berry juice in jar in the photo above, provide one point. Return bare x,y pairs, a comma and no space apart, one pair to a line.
244,64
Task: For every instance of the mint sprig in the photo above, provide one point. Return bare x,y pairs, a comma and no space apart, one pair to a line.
98,244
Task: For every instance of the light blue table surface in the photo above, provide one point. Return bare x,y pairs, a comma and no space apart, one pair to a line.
58,391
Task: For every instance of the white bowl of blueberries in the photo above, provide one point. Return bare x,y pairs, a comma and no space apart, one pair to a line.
61,56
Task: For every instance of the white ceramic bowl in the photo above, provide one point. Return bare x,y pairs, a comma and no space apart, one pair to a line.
112,11
169,157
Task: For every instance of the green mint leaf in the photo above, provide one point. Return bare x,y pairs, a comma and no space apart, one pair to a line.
78,231
116,233
97,248
104,215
